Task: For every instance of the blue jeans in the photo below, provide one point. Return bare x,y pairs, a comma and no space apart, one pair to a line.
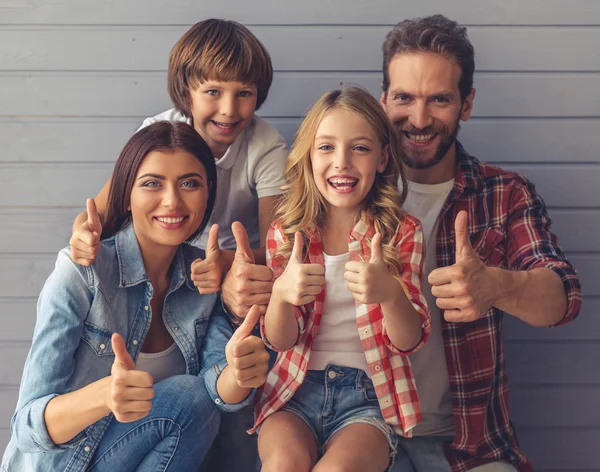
175,436
426,454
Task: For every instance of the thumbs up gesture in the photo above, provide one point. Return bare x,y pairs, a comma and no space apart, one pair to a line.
464,290
85,239
246,283
299,283
208,273
247,357
130,393
370,282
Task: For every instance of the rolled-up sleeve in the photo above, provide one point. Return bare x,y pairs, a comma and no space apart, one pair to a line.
214,361
410,253
531,243
63,304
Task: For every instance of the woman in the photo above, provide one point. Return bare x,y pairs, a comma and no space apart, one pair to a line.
112,380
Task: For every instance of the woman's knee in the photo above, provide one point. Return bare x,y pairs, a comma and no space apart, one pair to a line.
184,399
285,461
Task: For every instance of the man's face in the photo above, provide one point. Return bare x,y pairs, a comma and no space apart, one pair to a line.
424,105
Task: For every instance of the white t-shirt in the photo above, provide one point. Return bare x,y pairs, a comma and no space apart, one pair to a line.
337,341
161,365
429,364
251,168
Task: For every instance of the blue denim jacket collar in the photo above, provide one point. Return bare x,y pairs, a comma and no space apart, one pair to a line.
131,265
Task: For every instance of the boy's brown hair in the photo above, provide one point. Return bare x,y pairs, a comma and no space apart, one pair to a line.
220,50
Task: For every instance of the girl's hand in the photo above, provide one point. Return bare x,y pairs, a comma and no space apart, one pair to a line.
130,391
370,281
247,357
208,273
300,283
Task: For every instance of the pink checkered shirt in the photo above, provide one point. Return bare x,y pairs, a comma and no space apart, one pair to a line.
389,367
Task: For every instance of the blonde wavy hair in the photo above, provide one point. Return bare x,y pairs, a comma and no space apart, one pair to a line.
301,206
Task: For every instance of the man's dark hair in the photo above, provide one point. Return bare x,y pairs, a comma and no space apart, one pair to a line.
432,35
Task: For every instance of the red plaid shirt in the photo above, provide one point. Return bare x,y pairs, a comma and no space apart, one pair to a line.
389,367
509,228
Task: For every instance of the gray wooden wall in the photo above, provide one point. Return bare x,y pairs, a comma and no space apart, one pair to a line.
78,76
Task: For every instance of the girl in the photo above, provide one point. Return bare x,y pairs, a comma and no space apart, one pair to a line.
106,333
346,307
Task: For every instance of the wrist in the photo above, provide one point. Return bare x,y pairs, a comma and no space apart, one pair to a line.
504,285
235,320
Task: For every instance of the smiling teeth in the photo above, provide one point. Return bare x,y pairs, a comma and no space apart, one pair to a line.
170,221
224,125
342,181
420,138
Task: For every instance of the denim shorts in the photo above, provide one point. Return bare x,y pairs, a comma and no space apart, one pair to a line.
331,399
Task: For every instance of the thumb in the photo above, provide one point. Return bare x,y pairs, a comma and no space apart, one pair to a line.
93,217
461,230
297,251
212,245
376,255
248,325
242,245
122,357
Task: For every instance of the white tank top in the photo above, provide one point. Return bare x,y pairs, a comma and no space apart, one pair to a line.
161,365
337,341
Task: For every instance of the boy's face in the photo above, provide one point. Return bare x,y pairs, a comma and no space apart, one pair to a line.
221,110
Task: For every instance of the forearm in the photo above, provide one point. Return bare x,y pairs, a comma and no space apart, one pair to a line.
535,296
228,388
402,321
69,414
281,326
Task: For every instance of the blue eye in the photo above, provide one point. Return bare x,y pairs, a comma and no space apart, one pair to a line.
402,97
245,93
362,148
190,184
212,92
151,184
325,147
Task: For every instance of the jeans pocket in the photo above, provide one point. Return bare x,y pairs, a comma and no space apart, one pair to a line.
367,388
99,339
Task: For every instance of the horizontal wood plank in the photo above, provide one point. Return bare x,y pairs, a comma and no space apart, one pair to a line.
493,140
292,48
184,12
144,93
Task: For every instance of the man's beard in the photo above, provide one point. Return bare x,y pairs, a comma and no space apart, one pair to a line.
414,159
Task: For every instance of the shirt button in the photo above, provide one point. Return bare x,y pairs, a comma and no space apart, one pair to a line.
135,342
332,375
377,368
102,346
366,331
146,308
176,328
218,401
87,449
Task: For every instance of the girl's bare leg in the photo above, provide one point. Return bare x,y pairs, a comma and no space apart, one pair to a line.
286,444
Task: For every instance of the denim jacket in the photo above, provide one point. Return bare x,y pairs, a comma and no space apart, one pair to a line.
78,310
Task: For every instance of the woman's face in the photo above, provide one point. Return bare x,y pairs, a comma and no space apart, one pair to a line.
169,197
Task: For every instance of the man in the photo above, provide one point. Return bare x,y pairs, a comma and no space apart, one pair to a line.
488,251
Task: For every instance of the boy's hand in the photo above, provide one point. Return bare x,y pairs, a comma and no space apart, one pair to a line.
246,283
247,357
130,393
370,282
208,273
300,283
85,239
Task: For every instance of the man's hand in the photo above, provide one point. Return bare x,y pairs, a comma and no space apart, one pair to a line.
246,283
370,282
208,273
85,239
465,291
130,393
247,357
300,283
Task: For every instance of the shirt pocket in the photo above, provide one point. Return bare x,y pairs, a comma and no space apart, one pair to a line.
99,339
490,246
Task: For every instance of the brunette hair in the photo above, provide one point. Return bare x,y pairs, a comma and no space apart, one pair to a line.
434,34
221,50
161,136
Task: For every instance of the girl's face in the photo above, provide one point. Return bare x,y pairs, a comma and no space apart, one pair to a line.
168,199
345,157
